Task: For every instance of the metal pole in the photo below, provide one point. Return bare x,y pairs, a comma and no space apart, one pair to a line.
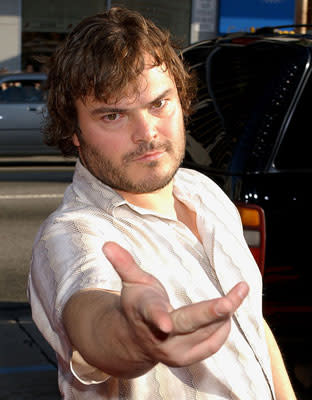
302,14
108,4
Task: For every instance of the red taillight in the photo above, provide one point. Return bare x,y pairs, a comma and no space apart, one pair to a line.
253,220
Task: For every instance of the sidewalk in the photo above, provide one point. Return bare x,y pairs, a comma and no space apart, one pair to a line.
48,159
27,363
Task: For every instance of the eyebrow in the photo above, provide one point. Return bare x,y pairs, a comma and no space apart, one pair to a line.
113,110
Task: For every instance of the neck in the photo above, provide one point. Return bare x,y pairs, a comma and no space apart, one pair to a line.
160,201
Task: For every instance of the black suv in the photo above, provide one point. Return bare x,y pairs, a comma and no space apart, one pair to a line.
251,133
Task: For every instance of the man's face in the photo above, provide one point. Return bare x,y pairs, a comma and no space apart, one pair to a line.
137,144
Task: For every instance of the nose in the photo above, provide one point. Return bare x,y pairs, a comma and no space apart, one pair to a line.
144,127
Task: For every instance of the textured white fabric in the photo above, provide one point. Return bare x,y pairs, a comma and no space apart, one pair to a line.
67,256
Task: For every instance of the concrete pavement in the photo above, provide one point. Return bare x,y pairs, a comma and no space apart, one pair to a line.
27,363
49,159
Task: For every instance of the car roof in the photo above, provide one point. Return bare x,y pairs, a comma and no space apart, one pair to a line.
7,76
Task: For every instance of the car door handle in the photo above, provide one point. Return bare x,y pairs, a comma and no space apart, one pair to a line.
38,109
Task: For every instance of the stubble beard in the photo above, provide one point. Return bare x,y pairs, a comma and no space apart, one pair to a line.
116,176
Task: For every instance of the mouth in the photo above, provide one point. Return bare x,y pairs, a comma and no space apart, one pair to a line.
150,156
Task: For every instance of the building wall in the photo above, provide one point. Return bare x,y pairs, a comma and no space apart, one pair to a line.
174,15
32,28
10,35
45,23
61,16
204,20
57,15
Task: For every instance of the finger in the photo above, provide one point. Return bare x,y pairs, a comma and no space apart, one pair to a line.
154,308
155,313
190,318
195,316
210,344
125,265
230,303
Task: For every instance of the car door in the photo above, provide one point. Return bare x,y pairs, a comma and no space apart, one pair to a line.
291,173
21,117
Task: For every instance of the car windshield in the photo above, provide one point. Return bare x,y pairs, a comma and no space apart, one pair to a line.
21,91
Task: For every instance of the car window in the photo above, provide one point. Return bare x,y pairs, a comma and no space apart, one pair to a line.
244,95
295,150
23,91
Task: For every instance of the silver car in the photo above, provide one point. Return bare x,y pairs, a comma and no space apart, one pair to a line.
22,103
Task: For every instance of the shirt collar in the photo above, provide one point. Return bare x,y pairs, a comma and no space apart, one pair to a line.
91,190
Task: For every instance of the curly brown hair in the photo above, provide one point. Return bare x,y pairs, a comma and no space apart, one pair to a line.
101,56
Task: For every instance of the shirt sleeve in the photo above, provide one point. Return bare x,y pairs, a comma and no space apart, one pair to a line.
84,372
67,257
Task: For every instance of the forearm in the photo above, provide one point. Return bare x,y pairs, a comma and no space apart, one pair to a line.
125,336
282,384
101,334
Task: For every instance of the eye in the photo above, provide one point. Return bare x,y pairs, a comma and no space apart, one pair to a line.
111,117
158,104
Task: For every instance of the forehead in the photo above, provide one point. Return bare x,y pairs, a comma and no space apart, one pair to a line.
149,85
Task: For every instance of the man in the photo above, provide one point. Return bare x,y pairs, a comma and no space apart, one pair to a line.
141,280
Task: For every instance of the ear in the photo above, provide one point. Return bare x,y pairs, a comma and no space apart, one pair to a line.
76,140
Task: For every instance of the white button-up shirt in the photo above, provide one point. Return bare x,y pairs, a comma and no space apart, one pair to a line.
68,257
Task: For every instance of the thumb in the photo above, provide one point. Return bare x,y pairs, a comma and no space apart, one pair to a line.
156,312
125,265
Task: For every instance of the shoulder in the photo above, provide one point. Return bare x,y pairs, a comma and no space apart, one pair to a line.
192,177
67,254
199,187
196,182
70,227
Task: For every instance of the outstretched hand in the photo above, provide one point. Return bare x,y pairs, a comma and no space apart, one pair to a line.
174,337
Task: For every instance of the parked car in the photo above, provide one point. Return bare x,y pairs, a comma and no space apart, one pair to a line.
252,133
22,102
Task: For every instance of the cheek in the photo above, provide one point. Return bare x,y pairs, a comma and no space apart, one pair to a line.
178,126
173,127
100,140
110,148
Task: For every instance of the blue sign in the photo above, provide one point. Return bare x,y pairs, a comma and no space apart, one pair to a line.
244,15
